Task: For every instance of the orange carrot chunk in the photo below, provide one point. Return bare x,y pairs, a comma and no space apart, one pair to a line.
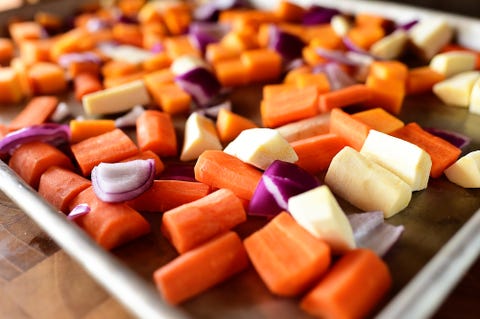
59,186
422,79
37,111
31,160
11,90
221,170
350,95
109,224
165,195
202,268
82,129
351,129
155,132
315,153
229,125
351,289
108,147
192,224
286,256
379,120
47,78
443,153
85,83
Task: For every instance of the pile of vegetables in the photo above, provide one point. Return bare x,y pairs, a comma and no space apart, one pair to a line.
140,68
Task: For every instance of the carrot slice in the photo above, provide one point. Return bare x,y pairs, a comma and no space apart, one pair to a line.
86,82
351,129
109,224
229,125
169,194
286,256
261,65
31,160
82,129
59,186
422,79
37,111
291,105
289,11
197,270
379,120
7,50
350,95
47,78
221,170
442,153
155,132
315,153
108,147
192,224
231,72
11,90
351,289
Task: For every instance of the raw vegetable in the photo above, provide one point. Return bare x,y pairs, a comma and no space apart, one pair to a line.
229,125
119,182
77,211
452,63
350,95
464,172
155,132
454,138
351,129
37,111
200,135
83,129
456,90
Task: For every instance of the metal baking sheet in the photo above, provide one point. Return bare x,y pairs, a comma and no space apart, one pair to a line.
441,224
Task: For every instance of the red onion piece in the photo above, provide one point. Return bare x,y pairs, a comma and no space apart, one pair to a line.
371,231
77,211
52,133
204,33
181,172
279,182
455,138
118,182
129,119
288,45
407,25
209,10
318,15
336,56
337,77
212,111
201,84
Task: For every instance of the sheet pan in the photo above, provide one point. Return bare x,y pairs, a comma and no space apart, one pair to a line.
441,238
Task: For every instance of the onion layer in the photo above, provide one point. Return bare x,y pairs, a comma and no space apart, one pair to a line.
77,211
201,84
118,182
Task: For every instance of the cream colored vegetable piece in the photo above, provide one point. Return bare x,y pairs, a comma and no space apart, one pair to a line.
186,63
429,35
465,171
365,184
127,53
474,106
318,211
452,63
340,24
391,46
200,135
116,99
408,161
260,147
457,89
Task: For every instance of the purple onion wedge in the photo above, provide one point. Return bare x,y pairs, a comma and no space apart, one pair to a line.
288,45
454,138
77,211
201,84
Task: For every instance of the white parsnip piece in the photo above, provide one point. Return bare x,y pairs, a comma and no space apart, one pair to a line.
260,147
127,53
200,135
391,46
429,35
318,211
406,160
340,25
452,63
465,171
116,99
474,106
457,89
365,184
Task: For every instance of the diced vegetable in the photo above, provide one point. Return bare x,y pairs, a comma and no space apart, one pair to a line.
465,171
200,135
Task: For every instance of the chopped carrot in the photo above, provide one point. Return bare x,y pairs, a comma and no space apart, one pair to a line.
31,160
3,131
37,111
315,153
379,120
351,129
177,18
109,224
322,35
21,70
108,147
119,80
216,52
165,195
77,67
289,12
82,129
33,51
159,166
192,224
180,45
365,36
262,65
351,289
292,74
311,126
272,90
387,70
442,153
59,186
202,268
117,68
158,62
320,80
231,72
170,97
162,76
85,83
311,57
10,86
7,50
422,79
229,125
364,19
240,40
128,33
286,256
291,105
75,40
221,170
155,132
350,95
47,78
25,30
